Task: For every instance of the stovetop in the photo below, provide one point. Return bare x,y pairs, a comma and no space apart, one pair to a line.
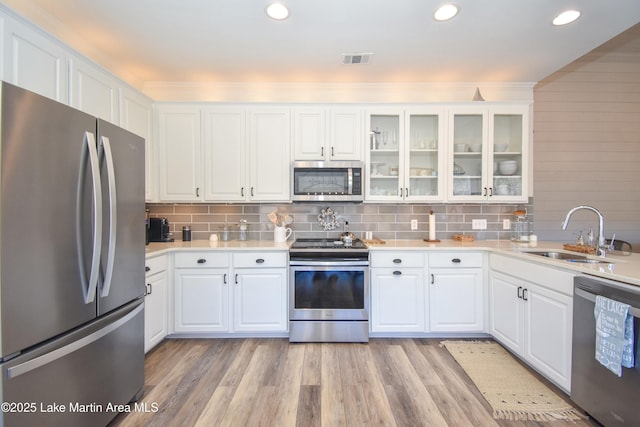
326,244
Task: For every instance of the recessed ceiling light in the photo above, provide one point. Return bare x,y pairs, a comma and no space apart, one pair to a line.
277,11
445,12
566,17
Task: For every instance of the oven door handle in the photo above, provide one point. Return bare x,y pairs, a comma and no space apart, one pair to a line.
332,263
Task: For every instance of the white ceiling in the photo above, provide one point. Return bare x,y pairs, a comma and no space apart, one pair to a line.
233,41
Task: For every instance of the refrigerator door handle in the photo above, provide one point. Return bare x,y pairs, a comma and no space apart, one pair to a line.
61,352
89,286
105,149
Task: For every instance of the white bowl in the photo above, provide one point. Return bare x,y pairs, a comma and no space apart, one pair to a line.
476,148
459,148
508,167
498,148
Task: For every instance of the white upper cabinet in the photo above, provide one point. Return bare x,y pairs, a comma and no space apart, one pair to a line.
327,134
225,154
488,153
238,154
34,62
136,115
180,162
269,155
94,91
404,156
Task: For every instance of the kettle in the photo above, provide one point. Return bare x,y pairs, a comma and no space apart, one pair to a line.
347,237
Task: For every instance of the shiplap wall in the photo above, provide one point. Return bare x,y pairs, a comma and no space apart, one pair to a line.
587,143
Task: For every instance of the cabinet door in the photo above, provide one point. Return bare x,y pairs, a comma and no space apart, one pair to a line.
456,300
94,91
385,155
224,146
269,153
346,134
136,112
309,134
397,300
180,169
467,144
155,310
424,161
34,62
508,159
201,300
506,311
548,319
260,300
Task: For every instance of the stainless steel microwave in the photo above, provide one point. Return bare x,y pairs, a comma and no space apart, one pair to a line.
327,181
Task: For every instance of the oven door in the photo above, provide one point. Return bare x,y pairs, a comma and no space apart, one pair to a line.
329,292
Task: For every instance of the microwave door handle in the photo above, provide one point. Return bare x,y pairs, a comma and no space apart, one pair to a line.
105,148
350,181
89,285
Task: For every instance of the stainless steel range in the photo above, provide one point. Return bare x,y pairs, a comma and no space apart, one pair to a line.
329,291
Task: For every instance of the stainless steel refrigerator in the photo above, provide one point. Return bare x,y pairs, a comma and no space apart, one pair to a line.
71,264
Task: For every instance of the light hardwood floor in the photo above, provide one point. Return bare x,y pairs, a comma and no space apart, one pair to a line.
269,382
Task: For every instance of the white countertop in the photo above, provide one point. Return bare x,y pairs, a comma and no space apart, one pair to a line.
157,248
624,268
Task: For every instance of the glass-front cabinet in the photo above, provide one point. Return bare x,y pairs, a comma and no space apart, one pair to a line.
404,158
488,153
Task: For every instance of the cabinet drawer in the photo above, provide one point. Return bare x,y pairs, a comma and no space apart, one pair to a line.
455,259
259,259
397,259
201,260
155,265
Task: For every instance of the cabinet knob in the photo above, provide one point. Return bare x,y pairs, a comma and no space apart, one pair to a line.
456,260
397,273
260,261
201,261
147,269
397,261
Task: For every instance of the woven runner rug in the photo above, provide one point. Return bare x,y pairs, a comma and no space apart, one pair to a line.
512,391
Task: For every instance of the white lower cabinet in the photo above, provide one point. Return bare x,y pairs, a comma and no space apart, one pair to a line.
456,292
155,301
230,292
260,300
397,292
531,313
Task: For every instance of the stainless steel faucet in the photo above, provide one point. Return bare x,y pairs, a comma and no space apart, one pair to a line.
602,241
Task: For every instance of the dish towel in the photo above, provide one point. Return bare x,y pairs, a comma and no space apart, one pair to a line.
614,334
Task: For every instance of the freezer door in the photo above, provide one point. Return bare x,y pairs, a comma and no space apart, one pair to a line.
88,373
121,155
44,155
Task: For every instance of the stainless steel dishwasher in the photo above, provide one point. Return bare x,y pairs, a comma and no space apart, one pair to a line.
610,399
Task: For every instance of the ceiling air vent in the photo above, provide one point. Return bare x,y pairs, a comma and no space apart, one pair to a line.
356,58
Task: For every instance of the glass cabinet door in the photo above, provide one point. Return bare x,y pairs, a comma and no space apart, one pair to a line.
385,136
468,156
422,164
509,168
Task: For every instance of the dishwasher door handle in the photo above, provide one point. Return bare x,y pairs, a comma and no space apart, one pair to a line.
635,312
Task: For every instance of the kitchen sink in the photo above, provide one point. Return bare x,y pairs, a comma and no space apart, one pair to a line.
569,257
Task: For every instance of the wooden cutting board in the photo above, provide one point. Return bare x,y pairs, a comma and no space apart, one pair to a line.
462,237
580,248
374,241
